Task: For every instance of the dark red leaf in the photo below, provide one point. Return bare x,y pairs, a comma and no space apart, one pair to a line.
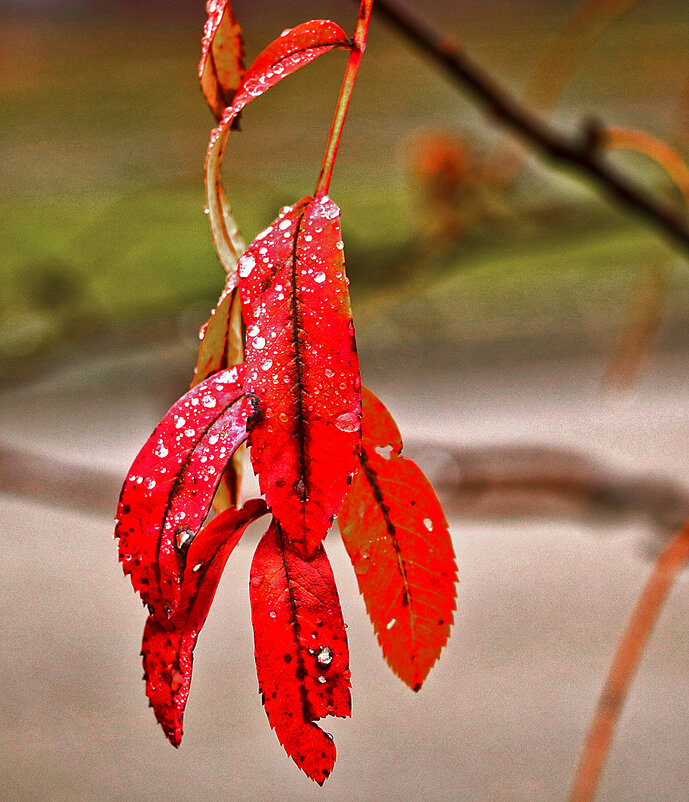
289,52
302,365
396,535
222,56
167,647
170,486
302,658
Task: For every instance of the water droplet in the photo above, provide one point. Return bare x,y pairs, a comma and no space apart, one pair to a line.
283,417
206,210
253,331
319,278
180,422
322,680
273,614
348,422
391,623
285,224
184,537
190,432
197,567
428,524
246,264
267,364
161,451
361,563
209,402
259,343
325,656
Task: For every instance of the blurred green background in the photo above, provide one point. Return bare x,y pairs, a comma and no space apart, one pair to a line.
103,133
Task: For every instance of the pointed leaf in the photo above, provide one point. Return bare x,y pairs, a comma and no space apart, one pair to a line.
222,56
170,486
167,647
292,50
396,535
302,658
302,365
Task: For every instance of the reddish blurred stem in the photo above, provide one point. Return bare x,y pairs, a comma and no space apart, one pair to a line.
579,152
629,651
358,47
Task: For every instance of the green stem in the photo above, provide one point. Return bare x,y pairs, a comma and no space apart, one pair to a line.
358,47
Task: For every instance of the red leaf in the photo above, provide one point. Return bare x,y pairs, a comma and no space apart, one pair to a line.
396,535
222,56
171,484
302,365
289,52
302,659
167,647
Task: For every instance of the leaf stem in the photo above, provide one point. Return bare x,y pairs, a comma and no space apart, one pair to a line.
357,51
629,651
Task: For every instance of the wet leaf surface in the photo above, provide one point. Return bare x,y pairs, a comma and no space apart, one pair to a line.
170,486
302,657
302,365
397,538
167,647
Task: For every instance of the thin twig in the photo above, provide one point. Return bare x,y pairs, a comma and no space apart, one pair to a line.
580,152
629,651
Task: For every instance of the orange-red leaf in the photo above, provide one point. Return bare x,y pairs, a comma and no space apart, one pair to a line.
222,56
170,486
396,535
302,658
167,647
222,347
302,365
292,50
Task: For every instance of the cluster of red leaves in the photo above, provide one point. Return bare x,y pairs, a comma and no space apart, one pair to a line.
296,396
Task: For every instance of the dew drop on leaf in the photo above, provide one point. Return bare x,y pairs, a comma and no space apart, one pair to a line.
322,680
246,265
391,623
324,656
428,524
347,422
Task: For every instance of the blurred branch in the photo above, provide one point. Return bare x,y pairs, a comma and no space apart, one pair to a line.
629,652
580,152
486,483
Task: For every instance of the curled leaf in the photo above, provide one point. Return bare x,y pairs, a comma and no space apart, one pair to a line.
167,647
302,365
222,56
292,50
302,657
169,488
397,538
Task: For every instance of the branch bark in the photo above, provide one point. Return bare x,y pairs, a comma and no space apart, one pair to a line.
580,152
